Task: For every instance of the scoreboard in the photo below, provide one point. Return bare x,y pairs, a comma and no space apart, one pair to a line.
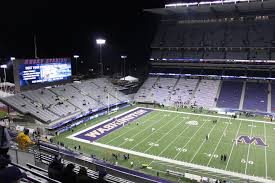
37,73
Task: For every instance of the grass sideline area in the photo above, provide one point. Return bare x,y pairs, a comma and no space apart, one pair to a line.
182,137
3,113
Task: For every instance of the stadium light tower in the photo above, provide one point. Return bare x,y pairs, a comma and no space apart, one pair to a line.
76,57
124,61
100,42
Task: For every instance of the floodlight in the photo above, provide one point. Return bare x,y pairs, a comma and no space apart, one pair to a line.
100,41
12,58
3,66
76,56
123,56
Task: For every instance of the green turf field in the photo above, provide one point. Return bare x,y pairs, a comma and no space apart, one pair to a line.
166,139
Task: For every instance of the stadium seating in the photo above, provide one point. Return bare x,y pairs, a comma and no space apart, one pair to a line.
183,92
206,93
230,94
272,97
70,100
47,159
256,96
210,36
146,93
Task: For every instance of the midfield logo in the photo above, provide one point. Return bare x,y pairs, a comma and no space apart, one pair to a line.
258,141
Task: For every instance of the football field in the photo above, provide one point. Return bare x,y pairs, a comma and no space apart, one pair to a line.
192,142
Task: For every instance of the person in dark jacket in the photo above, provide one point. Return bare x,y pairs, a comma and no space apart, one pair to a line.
69,176
82,176
55,169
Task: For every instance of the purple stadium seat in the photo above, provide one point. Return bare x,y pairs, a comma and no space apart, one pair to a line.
230,94
255,97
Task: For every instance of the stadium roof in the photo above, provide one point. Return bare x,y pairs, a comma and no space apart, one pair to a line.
216,7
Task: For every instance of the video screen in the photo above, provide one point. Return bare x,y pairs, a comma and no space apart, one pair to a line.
30,74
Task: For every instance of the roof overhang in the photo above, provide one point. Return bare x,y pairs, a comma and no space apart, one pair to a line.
239,6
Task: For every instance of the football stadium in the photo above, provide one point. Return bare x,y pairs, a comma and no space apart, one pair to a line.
203,112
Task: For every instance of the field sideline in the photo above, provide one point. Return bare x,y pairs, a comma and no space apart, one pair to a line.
177,140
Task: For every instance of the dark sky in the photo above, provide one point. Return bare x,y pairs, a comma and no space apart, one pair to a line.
64,28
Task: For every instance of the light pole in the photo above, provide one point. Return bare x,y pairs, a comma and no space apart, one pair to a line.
76,57
100,42
124,61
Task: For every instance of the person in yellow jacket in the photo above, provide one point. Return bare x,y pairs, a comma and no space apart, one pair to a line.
24,140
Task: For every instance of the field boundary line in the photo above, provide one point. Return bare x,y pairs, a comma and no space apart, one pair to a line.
233,143
208,115
98,124
182,163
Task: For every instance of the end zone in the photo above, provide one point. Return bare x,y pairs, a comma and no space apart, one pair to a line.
102,129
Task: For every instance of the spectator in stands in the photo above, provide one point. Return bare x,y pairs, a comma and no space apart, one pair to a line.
12,175
101,174
7,174
69,175
82,176
55,169
24,140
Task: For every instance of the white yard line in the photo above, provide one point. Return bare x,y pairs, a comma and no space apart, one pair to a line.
265,152
181,163
233,143
151,117
143,130
165,134
218,143
175,139
201,145
167,123
208,115
189,140
246,163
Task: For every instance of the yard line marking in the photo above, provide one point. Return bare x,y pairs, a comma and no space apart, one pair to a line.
265,152
248,150
209,115
233,143
185,164
133,128
166,134
218,143
201,145
173,141
143,129
189,140
167,123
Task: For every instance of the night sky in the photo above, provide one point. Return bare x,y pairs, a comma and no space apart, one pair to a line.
65,28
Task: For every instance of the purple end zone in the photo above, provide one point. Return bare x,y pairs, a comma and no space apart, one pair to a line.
113,124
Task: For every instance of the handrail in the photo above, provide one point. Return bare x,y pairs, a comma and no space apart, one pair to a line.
35,173
36,167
